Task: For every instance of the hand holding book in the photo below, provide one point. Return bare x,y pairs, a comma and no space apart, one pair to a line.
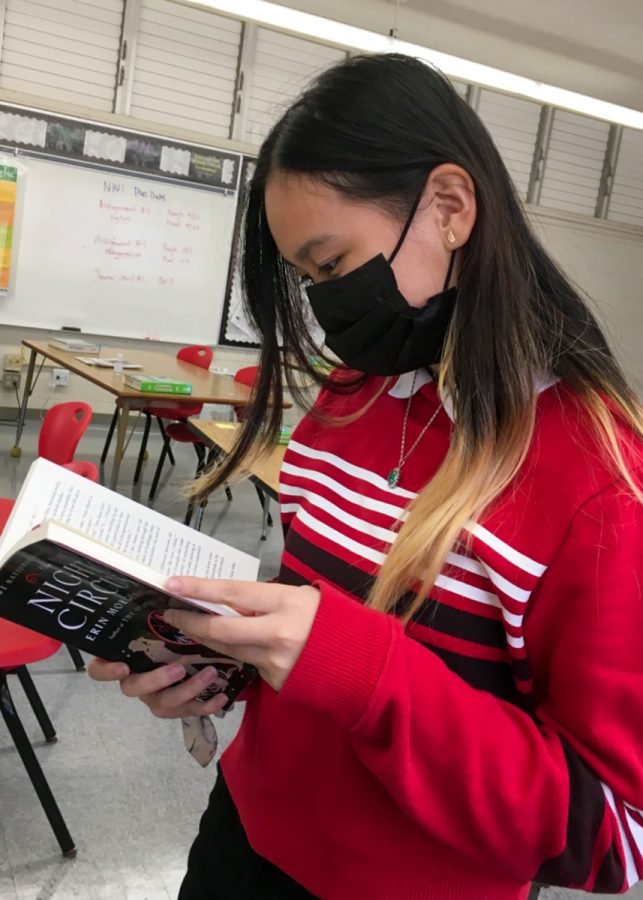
166,691
270,633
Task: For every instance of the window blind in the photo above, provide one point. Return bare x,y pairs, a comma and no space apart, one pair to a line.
185,68
626,203
282,66
64,50
574,163
513,124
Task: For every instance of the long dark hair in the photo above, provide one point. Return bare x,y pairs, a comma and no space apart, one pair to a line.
373,128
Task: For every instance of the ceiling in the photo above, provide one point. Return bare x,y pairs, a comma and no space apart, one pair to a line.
589,46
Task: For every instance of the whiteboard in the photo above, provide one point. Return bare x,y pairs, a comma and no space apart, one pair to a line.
119,255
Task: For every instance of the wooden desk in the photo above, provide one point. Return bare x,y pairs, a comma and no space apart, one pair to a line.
206,387
263,470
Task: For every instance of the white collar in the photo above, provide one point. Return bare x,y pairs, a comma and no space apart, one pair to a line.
416,380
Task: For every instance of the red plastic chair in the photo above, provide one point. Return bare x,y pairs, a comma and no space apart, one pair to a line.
61,430
19,647
248,376
196,355
177,412
180,431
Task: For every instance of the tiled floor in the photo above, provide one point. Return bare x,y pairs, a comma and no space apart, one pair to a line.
131,795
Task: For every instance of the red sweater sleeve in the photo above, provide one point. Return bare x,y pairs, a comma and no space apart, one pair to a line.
555,796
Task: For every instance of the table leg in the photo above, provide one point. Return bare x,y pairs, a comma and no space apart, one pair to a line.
121,434
16,449
264,517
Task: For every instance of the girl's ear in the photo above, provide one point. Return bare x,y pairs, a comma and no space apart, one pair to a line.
453,192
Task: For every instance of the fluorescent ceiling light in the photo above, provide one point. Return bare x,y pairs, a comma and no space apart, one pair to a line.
302,23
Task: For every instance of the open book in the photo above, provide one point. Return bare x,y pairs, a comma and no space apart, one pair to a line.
86,566
108,362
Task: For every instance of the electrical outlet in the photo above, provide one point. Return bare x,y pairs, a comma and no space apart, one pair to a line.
12,362
59,378
10,380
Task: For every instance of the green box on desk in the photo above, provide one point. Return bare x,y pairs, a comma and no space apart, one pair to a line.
155,384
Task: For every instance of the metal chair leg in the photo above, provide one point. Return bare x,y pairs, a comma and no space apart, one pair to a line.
36,704
161,426
201,466
199,514
76,658
188,513
31,764
108,439
159,468
263,499
265,517
143,448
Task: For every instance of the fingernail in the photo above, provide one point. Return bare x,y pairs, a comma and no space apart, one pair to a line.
122,671
207,675
174,584
176,671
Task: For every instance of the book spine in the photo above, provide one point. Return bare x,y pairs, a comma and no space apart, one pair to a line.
151,387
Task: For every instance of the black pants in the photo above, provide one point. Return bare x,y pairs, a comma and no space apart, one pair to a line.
223,866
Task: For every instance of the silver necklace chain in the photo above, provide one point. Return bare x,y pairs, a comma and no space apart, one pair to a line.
393,477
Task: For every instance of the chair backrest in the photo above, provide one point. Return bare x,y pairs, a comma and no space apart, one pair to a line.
62,428
6,507
196,355
248,375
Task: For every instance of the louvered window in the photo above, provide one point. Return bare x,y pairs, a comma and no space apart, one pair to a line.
626,203
574,163
185,67
513,125
64,50
282,66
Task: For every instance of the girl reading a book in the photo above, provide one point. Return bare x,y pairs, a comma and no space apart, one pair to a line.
451,696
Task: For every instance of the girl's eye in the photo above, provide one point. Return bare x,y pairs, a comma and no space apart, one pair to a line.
329,267
324,271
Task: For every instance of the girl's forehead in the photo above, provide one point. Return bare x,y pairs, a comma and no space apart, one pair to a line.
302,213
293,189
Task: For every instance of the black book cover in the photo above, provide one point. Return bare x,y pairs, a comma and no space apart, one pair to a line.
91,606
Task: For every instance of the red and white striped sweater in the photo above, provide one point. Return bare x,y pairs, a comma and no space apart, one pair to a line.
497,740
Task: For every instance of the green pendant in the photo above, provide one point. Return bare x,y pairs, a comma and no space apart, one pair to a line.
393,478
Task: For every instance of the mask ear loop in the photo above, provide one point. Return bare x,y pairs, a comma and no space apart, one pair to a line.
407,225
449,270
405,231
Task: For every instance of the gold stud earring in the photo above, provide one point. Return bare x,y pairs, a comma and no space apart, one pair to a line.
450,236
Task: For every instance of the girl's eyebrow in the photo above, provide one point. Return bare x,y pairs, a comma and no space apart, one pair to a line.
304,251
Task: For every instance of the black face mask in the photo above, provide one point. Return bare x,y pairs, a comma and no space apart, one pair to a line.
369,324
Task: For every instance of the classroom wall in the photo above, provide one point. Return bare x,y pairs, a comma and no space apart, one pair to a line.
606,261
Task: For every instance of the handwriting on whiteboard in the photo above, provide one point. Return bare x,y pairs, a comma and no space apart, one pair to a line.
145,237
